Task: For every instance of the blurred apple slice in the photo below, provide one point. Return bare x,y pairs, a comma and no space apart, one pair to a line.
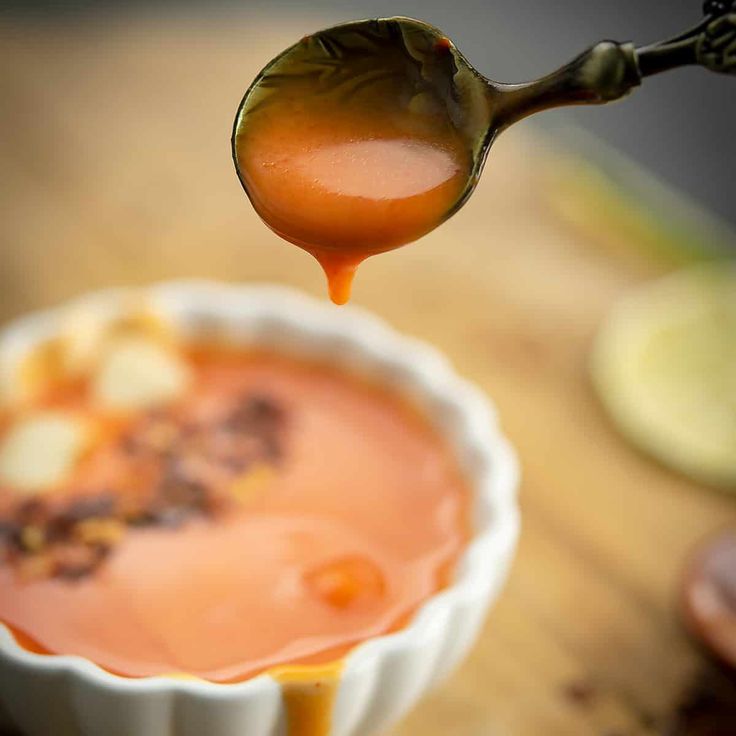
664,366
41,449
138,372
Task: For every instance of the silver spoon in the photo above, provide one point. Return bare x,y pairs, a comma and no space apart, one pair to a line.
400,66
399,57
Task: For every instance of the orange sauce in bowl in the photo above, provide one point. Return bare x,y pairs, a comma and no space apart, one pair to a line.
346,181
344,523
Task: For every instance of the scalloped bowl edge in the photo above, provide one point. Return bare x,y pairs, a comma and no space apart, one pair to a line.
383,677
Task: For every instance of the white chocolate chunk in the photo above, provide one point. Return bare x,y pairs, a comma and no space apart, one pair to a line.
138,373
84,334
40,450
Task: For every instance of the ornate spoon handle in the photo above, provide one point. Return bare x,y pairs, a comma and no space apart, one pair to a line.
610,70
712,44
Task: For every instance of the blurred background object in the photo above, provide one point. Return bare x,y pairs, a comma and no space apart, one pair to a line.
664,369
116,169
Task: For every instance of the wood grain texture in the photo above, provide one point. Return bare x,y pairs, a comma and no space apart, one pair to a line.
114,152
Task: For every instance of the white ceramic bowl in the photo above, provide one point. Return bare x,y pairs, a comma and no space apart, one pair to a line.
383,677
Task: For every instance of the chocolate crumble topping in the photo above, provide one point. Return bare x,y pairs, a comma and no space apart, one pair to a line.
179,469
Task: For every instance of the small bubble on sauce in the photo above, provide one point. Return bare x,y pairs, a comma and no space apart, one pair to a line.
346,581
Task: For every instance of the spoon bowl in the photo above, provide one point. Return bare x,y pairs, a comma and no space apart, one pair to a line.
400,72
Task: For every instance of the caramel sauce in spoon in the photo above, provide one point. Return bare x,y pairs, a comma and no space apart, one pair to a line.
343,188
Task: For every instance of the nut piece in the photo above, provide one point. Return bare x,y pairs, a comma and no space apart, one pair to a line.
40,450
248,486
138,373
102,532
32,538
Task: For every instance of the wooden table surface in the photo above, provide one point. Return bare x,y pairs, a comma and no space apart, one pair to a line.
116,169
